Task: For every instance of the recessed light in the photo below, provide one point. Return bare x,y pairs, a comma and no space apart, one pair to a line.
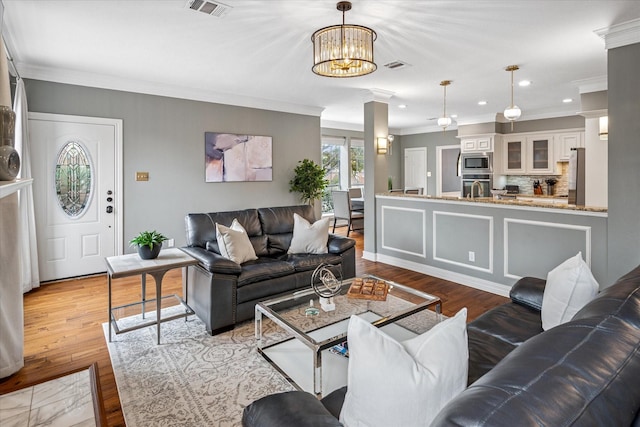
454,116
524,83
482,102
402,106
567,100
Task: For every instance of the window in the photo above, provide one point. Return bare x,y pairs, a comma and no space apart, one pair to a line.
73,179
331,154
357,163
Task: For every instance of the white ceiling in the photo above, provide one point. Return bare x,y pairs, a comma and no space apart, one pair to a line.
260,54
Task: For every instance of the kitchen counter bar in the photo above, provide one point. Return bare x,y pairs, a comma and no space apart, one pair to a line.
484,242
507,202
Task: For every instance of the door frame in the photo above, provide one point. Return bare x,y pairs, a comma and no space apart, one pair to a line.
439,149
118,167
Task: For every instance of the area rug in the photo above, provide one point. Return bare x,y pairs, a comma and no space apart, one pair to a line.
192,378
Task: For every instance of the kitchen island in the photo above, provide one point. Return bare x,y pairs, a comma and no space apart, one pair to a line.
487,243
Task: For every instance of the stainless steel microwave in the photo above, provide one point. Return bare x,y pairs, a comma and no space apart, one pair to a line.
473,163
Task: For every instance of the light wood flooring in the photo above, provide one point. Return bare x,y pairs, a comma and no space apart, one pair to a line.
63,321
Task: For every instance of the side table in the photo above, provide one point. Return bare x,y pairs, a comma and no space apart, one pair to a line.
132,265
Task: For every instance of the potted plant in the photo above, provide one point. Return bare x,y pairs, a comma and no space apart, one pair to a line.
309,181
149,244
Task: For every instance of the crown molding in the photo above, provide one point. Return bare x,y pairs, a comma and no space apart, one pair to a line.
378,95
619,35
101,81
594,84
593,113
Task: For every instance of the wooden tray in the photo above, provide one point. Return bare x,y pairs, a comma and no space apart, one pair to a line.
368,288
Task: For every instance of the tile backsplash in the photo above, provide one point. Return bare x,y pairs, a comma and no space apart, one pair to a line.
525,182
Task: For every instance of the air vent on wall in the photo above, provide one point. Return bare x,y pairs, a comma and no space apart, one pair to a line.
396,65
208,7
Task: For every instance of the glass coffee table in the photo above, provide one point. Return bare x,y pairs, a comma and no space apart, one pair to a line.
305,347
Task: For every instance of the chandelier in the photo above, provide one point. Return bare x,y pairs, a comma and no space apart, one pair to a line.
444,121
513,112
343,50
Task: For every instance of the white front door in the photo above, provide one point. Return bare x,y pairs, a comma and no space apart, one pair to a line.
77,187
415,168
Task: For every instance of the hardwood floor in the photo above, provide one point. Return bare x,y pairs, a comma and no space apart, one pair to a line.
63,321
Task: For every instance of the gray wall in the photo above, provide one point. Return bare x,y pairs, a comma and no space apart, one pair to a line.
624,160
557,123
431,141
165,137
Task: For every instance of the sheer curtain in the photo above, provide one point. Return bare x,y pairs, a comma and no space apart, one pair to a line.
29,275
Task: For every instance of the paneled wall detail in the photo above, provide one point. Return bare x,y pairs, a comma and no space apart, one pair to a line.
474,250
533,248
400,227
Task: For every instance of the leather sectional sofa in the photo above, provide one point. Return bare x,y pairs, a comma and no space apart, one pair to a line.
223,293
585,372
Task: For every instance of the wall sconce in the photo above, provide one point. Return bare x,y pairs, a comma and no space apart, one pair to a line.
383,145
604,128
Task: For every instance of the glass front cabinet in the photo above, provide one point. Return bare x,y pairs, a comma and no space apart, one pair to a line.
528,155
514,155
540,154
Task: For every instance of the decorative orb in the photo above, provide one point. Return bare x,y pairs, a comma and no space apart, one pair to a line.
324,282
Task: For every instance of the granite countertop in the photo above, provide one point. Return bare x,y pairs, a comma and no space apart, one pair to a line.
515,202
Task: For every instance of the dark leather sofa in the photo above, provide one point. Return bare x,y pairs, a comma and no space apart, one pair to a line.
585,372
223,293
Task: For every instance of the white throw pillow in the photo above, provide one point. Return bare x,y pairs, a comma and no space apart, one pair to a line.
309,238
404,384
234,242
569,287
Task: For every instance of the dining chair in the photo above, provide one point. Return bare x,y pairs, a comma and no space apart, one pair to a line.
355,199
342,210
355,193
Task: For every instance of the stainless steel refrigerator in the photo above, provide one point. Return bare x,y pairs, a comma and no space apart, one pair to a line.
576,177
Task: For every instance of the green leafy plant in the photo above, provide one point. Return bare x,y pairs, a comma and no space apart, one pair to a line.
148,238
309,181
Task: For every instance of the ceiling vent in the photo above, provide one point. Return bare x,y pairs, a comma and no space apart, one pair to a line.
396,65
208,7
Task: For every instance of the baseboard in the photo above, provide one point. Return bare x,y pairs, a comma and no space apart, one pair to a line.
370,256
463,279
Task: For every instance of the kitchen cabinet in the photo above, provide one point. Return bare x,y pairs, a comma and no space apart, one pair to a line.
477,144
565,142
540,155
528,154
513,155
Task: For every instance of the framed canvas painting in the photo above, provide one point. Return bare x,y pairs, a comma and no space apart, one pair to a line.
231,157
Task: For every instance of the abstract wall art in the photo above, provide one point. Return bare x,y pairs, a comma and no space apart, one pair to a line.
231,157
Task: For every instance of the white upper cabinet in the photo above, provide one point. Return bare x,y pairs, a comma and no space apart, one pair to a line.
565,142
514,155
477,144
540,155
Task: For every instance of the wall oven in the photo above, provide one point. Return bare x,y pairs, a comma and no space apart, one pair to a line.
482,190
477,163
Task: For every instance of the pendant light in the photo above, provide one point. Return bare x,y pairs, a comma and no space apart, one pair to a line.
444,121
343,50
513,112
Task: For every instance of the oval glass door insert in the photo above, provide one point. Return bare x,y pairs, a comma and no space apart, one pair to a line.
73,179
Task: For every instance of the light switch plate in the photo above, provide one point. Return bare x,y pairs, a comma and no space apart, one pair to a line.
142,176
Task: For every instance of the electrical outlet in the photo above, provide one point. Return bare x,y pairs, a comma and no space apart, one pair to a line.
170,243
472,256
428,174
